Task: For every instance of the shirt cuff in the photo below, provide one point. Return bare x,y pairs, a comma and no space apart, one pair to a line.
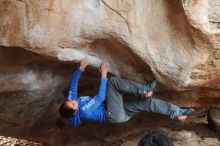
105,79
80,70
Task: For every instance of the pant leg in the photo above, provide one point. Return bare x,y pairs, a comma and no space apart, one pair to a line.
114,102
127,86
150,105
115,112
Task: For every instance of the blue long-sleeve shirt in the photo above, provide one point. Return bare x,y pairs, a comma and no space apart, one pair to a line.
90,108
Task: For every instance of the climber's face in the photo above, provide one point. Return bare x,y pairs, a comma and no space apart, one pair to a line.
72,104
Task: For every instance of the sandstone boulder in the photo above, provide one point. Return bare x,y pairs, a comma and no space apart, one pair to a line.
41,42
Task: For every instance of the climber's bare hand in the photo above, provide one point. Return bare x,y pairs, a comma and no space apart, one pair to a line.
83,63
104,69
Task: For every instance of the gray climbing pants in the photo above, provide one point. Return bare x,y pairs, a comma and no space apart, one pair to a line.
118,111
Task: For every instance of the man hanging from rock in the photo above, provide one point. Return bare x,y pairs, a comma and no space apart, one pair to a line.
108,104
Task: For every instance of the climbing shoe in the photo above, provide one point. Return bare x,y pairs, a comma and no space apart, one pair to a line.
184,113
148,89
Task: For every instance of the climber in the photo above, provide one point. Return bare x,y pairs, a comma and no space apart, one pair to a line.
108,104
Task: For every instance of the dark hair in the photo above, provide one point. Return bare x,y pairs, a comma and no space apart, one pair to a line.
65,112
155,138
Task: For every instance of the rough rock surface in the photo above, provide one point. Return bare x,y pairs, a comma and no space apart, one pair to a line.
214,119
9,141
140,39
176,42
183,138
